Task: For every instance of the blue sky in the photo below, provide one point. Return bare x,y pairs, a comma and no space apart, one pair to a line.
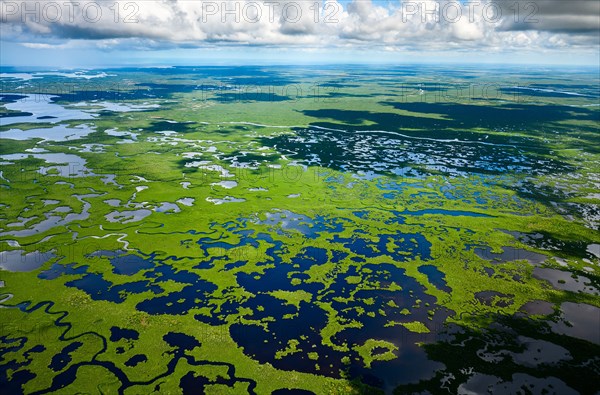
185,32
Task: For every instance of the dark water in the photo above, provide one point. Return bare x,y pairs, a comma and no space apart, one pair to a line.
435,277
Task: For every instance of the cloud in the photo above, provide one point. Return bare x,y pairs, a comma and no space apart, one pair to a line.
572,16
420,24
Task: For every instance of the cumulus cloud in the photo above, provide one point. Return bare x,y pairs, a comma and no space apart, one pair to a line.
422,24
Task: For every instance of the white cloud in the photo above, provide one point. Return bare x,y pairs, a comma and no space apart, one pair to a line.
362,23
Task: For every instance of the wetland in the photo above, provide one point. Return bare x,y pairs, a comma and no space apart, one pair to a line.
204,230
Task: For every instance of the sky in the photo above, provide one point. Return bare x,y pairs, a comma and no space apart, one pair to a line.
81,33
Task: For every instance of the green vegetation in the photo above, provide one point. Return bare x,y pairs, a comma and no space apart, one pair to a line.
211,218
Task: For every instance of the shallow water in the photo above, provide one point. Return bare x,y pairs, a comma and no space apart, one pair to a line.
67,165
166,207
226,184
226,199
53,220
128,216
42,110
22,261
189,202
539,352
116,107
481,384
509,254
566,281
537,307
54,133
310,227
579,320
